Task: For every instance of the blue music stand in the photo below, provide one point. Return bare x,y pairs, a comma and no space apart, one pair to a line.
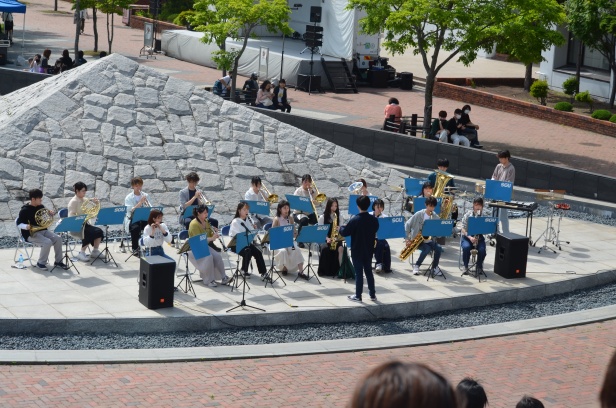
353,209
143,213
434,229
480,226
106,217
69,224
312,234
279,238
498,190
199,246
391,227
258,207
413,186
419,203
300,203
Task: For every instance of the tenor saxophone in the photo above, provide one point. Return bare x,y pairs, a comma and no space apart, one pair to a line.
411,246
334,235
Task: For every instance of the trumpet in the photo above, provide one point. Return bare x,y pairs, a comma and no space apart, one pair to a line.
271,198
203,199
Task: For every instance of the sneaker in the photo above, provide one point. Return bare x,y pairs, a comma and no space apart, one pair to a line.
41,266
465,270
478,146
437,271
354,298
95,253
379,268
303,275
60,264
247,274
83,257
212,284
415,269
226,280
373,298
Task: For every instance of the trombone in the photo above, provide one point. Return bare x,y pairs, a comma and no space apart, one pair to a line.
271,198
320,197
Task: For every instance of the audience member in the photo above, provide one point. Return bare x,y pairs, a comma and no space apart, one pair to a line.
393,108
607,396
438,130
397,384
80,60
45,67
225,83
470,129
265,96
454,126
473,392
67,61
102,54
529,402
35,63
250,88
280,97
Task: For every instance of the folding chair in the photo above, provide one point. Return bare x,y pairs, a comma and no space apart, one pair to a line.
24,248
72,244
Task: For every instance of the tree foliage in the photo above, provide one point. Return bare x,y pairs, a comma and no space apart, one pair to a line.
539,90
237,19
457,28
594,23
111,8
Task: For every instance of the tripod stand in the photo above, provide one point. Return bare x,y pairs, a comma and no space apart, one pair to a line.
309,267
472,269
105,254
244,284
188,286
66,259
551,234
269,275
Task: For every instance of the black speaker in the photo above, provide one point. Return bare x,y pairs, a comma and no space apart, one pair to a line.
156,277
315,14
305,83
511,255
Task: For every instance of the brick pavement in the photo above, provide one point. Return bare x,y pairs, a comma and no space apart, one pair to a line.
563,368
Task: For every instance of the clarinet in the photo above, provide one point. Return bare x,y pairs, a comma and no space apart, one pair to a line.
210,230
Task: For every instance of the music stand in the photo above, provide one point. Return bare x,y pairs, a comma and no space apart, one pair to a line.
67,225
300,203
353,209
391,227
479,226
279,238
106,217
141,214
312,234
413,186
242,243
199,251
419,203
434,229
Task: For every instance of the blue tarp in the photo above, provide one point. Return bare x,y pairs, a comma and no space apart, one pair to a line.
11,6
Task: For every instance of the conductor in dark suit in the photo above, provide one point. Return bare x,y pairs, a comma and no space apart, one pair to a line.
280,97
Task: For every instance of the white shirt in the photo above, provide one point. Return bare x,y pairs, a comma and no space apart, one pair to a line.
236,227
252,196
159,236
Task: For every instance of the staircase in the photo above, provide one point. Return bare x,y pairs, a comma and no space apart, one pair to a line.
339,76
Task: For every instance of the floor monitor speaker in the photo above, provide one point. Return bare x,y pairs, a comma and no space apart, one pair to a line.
511,255
156,282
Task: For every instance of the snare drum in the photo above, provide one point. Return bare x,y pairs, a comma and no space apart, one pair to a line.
480,187
408,204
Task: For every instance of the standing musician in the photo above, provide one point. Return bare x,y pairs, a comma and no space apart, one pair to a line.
191,196
287,258
136,199
255,193
477,241
330,259
504,171
414,226
90,234
382,253
364,187
212,266
156,233
239,225
43,237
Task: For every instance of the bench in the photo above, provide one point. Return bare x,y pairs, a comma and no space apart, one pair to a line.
410,125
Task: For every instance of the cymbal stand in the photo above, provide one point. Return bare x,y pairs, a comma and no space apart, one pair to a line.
549,234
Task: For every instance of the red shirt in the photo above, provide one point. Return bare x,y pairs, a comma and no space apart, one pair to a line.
393,109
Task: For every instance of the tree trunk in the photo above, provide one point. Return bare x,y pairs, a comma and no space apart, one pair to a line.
613,93
578,67
95,29
55,5
528,77
430,80
223,48
77,28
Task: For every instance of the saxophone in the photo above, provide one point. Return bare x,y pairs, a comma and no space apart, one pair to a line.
335,235
411,246
474,251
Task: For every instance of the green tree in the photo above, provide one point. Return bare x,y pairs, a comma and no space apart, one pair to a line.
237,19
111,8
86,4
460,27
594,23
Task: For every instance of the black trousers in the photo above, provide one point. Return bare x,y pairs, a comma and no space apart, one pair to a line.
91,234
247,254
135,229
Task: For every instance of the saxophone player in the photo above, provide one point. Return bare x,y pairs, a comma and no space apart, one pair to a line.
477,242
330,256
90,234
414,226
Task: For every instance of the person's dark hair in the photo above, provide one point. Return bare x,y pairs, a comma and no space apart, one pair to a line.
136,181
192,176
457,111
363,202
328,208
153,215
254,76
282,81
529,402
425,185
239,208
607,396
264,84
465,107
80,185
363,182
199,209
397,384
255,181
102,54
473,392
281,205
307,177
80,54
478,200
65,54
35,193
442,163
47,53
378,203
394,100
504,153
431,201
442,114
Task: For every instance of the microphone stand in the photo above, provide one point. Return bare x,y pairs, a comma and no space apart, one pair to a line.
243,304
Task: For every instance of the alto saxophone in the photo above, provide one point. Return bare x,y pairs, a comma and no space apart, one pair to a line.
335,236
411,246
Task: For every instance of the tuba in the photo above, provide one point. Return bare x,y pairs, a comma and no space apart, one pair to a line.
442,178
411,246
271,198
43,218
90,208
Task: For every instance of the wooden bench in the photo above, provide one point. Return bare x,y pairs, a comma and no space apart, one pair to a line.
410,125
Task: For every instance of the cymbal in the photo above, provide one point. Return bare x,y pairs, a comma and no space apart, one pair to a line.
463,194
396,188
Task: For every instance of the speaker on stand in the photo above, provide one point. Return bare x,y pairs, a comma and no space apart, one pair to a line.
315,14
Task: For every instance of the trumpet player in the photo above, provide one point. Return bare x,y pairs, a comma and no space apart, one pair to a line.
90,235
136,199
42,237
256,193
192,196
414,226
469,242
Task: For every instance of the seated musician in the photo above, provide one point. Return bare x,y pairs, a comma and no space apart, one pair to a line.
382,253
426,190
305,190
240,225
212,266
191,196
414,226
255,193
477,241
330,259
156,233
287,258
90,234
364,187
134,200
26,221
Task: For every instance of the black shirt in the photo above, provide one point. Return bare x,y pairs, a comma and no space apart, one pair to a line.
26,216
362,229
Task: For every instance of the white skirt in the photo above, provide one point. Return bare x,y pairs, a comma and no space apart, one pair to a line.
211,268
289,258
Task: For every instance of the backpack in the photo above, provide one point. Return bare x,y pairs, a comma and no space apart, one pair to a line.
217,88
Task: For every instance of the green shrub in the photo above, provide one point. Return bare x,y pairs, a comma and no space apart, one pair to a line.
564,106
569,86
585,97
602,114
613,118
539,90
183,19
171,17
